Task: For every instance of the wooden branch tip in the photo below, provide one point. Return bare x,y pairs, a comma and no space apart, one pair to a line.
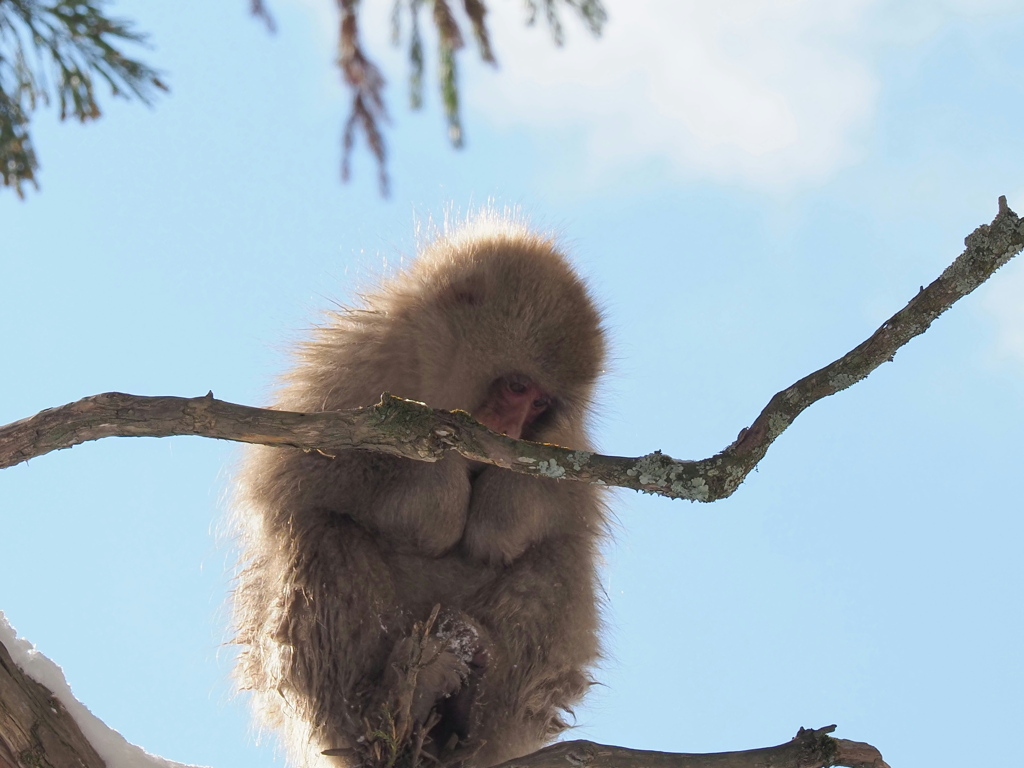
810,748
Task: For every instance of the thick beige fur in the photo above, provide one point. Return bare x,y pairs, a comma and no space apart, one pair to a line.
346,558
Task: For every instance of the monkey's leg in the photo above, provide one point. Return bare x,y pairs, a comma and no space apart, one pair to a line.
541,619
378,677
318,650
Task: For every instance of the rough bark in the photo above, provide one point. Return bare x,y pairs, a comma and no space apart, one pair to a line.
808,749
36,730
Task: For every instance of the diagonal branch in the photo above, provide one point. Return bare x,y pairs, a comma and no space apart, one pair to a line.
416,431
36,729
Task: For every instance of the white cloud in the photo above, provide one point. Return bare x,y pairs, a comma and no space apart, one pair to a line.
769,93
974,7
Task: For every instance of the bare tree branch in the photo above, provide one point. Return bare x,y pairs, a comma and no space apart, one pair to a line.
416,431
35,728
808,749
259,10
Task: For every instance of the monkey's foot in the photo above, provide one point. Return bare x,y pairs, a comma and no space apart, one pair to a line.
422,670
440,672
429,687
455,712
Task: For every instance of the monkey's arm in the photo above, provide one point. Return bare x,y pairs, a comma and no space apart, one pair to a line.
510,512
415,506
313,613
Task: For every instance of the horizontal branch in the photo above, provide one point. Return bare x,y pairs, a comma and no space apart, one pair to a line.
808,749
395,426
37,729
416,431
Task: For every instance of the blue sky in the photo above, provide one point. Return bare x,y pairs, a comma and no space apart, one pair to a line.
751,188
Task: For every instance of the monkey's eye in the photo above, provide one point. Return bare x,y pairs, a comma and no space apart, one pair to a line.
541,403
518,386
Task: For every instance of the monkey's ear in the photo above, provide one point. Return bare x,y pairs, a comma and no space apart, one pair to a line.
467,291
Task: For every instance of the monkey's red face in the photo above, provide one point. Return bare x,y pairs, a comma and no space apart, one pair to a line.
514,403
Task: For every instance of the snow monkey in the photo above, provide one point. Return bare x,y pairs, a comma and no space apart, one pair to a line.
391,609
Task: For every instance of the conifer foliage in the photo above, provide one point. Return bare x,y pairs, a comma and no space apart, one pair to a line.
59,51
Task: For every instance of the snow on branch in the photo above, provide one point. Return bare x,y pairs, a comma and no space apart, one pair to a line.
416,431
43,725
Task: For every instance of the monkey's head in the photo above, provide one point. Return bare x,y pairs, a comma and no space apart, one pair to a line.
505,329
